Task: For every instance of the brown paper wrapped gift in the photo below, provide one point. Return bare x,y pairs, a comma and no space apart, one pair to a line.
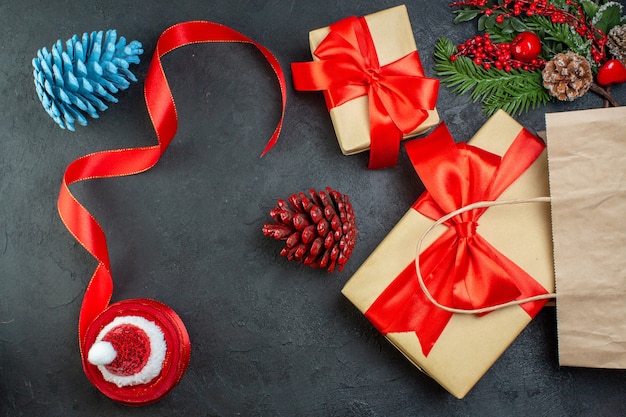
587,159
393,42
467,345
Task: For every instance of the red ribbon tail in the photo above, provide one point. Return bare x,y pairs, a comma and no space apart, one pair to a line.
403,307
385,136
157,91
95,300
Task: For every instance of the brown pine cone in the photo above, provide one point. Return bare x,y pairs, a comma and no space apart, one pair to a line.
319,231
567,76
616,42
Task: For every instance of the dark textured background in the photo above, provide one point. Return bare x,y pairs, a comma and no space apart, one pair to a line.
269,337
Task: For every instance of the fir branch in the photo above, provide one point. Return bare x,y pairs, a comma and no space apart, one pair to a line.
524,98
516,91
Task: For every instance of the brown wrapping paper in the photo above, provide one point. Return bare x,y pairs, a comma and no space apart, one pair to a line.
393,38
469,345
587,159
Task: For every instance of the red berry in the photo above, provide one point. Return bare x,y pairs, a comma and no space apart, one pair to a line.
526,46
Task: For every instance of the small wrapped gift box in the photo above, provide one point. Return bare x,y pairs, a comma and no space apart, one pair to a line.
373,83
477,259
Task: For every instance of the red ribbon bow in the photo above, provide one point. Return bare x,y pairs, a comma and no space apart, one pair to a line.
113,163
398,93
460,269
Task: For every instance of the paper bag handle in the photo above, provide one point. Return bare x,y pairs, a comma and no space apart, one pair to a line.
469,207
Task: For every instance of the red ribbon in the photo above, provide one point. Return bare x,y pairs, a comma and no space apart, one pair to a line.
460,269
398,93
121,162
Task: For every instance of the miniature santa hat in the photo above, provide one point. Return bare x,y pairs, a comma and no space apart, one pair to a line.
136,351
129,351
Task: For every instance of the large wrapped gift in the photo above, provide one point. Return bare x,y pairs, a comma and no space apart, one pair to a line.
480,258
373,83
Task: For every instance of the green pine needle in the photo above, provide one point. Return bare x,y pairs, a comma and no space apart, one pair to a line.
516,91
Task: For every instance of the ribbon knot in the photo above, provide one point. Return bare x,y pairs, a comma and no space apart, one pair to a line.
465,230
399,94
372,75
458,271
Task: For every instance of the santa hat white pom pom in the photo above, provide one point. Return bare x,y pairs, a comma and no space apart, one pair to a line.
101,353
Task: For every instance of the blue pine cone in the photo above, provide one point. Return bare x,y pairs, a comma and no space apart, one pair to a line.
79,79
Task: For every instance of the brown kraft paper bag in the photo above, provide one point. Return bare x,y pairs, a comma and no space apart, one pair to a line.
587,171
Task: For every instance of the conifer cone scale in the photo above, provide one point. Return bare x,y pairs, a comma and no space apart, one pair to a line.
319,230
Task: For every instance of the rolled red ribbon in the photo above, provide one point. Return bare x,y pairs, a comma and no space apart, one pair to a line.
460,269
121,162
399,94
